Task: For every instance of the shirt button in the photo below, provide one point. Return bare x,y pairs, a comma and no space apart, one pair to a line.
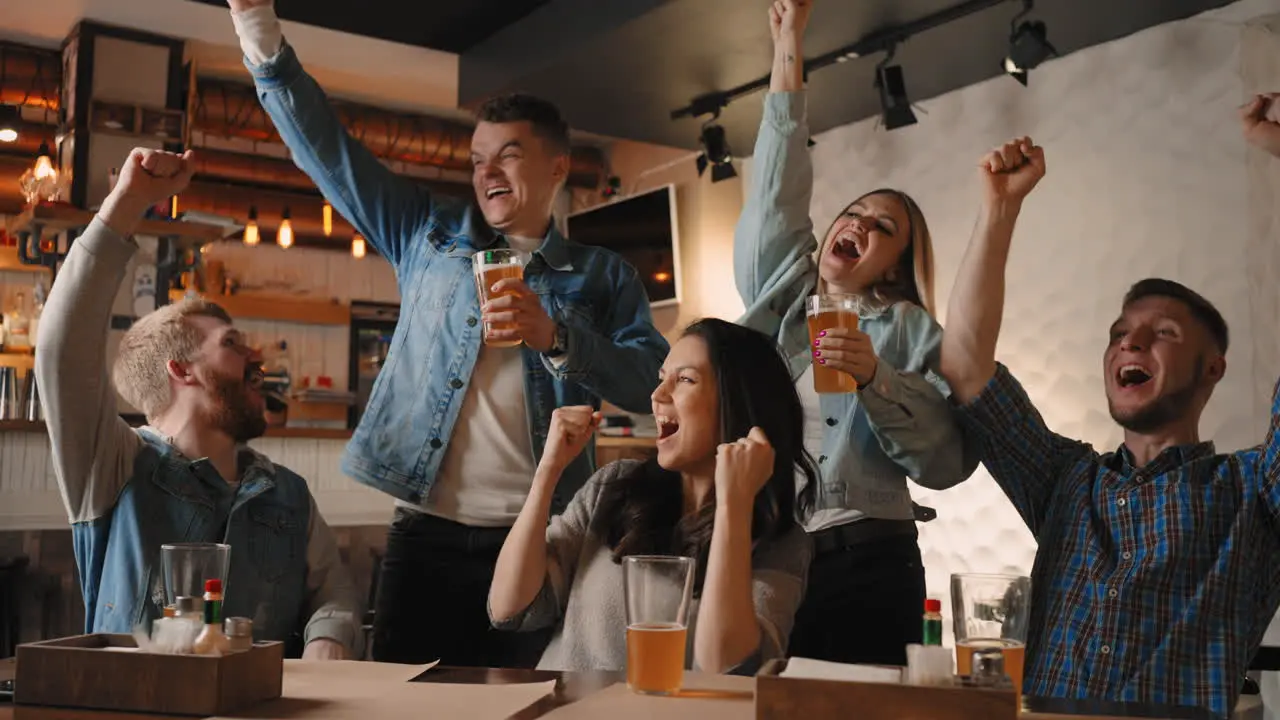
471,322
822,459
1126,555
831,422
455,383
1105,649
1112,593
1121,502
435,443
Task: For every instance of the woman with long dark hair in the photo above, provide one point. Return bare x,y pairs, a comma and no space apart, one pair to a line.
722,490
866,586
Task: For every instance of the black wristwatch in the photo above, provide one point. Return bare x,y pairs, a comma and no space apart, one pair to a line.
559,342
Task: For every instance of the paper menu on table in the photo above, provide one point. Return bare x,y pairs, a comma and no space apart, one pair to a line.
350,690
808,669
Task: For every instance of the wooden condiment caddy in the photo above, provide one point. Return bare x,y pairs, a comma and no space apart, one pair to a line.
85,672
785,698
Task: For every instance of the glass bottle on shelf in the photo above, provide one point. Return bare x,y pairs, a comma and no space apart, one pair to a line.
17,325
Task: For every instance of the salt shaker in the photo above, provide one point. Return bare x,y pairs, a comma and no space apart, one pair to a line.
239,632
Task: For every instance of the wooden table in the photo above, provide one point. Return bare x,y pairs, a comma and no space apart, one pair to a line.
574,686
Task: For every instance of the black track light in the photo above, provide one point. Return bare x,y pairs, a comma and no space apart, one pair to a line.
715,153
895,106
1029,46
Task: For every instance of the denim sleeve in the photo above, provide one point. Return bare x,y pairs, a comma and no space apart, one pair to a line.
1023,455
387,209
620,360
909,407
773,243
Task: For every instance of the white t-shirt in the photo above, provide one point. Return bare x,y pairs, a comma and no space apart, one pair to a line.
814,429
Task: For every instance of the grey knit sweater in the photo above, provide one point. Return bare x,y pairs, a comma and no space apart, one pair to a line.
582,596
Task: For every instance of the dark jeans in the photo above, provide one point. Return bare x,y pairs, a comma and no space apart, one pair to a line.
863,604
433,595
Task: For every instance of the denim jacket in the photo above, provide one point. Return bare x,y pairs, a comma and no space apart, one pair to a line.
127,491
901,424
613,352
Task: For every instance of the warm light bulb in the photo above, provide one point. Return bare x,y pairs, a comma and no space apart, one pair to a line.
662,276
8,135
44,167
328,218
173,208
251,236
284,236
357,246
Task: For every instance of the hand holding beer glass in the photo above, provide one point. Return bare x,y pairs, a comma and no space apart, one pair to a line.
830,312
490,266
659,590
991,611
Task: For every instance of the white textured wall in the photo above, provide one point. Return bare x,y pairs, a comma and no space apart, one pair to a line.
1147,175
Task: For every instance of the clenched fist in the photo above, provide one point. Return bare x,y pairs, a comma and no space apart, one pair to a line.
788,18
147,177
571,429
743,468
1011,171
1260,119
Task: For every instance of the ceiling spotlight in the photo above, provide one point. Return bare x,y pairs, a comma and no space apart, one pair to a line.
716,153
895,106
1028,46
10,115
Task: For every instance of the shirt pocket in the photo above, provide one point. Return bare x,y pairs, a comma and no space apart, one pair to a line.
277,541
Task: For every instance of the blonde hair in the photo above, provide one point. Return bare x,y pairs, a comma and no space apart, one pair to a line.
140,372
912,278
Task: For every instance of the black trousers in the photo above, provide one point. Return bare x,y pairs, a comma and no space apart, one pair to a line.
433,594
863,604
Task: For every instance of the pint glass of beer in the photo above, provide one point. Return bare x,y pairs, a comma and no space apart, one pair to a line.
659,589
824,312
991,611
489,267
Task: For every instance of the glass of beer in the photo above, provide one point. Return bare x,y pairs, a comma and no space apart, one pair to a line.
490,266
824,312
659,589
991,611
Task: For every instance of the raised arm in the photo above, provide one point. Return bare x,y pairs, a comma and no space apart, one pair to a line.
387,209
974,314
536,565
773,241
93,449
1260,121
333,631
1023,456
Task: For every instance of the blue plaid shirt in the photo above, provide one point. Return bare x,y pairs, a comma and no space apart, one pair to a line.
1152,584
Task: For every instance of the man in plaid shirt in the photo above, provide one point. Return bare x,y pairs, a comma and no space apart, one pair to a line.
1159,564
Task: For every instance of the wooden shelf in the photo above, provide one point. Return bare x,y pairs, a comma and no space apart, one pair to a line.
247,306
318,411
9,262
57,217
311,433
22,361
286,432
614,441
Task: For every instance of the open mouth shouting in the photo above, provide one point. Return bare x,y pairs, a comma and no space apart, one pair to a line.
1132,376
846,247
254,377
668,426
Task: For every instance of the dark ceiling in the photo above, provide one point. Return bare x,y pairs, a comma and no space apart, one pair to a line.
619,67
449,25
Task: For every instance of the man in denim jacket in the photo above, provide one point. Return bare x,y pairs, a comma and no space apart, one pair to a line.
453,427
187,476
